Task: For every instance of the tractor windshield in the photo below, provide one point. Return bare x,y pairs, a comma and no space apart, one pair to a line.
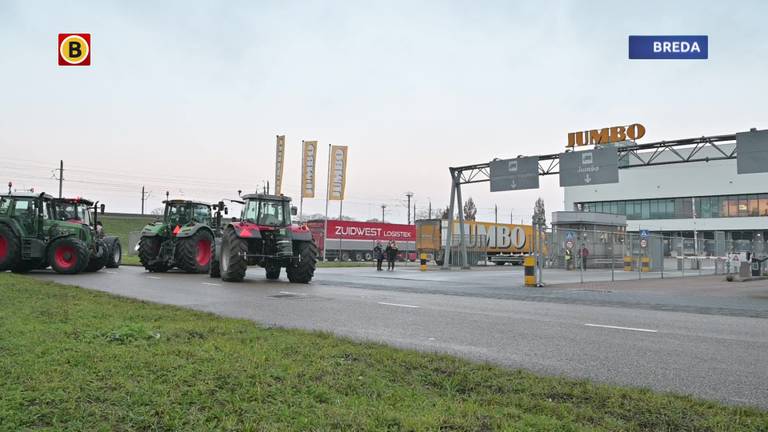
178,213
66,211
267,212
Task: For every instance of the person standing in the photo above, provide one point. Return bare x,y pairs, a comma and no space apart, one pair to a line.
568,259
378,255
583,254
391,255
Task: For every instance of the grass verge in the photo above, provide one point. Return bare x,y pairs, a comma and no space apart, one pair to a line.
75,359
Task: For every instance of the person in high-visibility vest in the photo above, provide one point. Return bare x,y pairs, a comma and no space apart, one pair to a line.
568,259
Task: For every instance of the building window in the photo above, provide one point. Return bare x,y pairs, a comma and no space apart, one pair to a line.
751,205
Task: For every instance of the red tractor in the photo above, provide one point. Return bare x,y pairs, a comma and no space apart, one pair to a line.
264,236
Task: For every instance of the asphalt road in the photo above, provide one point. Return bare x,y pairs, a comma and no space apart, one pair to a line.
628,336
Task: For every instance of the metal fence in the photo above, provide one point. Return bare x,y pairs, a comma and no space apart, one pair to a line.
622,255
477,251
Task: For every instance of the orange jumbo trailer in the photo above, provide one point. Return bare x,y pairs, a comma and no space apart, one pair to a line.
502,242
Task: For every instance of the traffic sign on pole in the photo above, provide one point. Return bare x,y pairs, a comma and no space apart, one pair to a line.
582,168
514,174
752,152
643,233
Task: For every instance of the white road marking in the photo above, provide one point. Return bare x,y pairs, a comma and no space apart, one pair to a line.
291,293
210,283
622,328
109,272
399,305
154,277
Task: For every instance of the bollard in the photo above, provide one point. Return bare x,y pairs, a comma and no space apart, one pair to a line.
628,263
529,263
645,264
423,262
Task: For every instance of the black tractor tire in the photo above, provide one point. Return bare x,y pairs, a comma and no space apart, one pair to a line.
215,270
358,256
193,253
273,271
98,261
68,255
303,270
149,248
114,254
233,262
10,249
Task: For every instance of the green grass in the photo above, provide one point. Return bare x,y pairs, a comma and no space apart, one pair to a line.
73,359
120,226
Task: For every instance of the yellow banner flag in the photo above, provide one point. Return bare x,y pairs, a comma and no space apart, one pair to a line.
279,162
308,164
337,178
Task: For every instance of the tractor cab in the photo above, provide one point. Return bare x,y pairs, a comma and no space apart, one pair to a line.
267,210
31,212
75,210
184,212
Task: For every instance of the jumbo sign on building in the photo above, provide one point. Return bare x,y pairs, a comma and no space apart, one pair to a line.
606,135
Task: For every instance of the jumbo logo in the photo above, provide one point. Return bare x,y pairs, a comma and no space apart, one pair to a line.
606,135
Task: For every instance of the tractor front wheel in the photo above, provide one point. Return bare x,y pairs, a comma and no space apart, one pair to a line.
99,260
149,249
115,254
193,254
233,262
9,249
68,255
215,270
303,270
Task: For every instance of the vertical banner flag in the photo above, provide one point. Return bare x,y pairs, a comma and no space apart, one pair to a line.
337,180
279,162
308,163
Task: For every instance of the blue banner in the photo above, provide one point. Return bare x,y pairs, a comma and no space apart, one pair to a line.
669,47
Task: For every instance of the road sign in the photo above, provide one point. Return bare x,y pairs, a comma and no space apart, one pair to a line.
570,235
569,244
514,174
643,233
752,152
643,243
582,168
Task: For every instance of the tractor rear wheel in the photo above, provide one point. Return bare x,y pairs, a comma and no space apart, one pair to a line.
149,249
9,249
273,271
98,261
193,254
233,262
303,270
68,255
115,254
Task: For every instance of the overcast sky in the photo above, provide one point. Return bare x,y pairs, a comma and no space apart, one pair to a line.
188,96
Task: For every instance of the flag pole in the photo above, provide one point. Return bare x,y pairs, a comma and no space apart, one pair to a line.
327,195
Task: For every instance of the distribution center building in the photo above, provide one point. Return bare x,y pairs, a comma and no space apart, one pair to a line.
708,200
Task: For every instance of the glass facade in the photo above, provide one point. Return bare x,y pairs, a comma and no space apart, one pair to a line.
683,208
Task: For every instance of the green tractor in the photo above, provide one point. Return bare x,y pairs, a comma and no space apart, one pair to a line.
182,239
31,236
80,210
264,236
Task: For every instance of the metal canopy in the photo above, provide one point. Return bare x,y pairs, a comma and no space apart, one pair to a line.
630,156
